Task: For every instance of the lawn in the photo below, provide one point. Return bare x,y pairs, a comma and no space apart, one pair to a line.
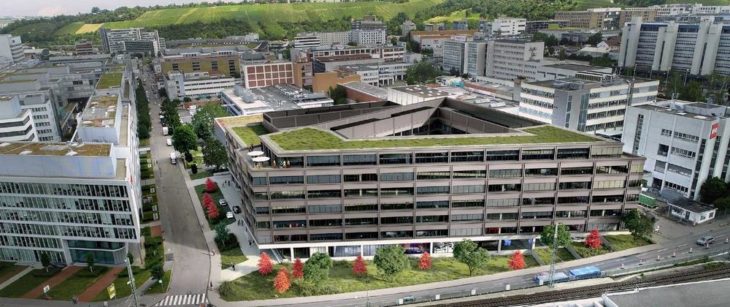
8,270
76,284
546,253
316,139
109,79
250,134
231,256
585,252
144,142
455,16
255,287
200,174
121,286
622,242
161,288
26,283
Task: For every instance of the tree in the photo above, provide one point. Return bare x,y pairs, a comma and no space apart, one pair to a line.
265,265
45,260
214,153
722,203
213,212
298,269
548,233
210,185
692,92
222,235
517,261
391,260
469,253
157,272
595,39
562,55
638,224
317,268
90,261
281,281
359,268
202,121
207,200
338,94
421,72
593,240
712,189
184,139
424,263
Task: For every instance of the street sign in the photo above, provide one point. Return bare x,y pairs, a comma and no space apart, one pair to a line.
111,291
46,289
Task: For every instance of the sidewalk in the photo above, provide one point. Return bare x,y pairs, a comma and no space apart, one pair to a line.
15,277
52,282
100,285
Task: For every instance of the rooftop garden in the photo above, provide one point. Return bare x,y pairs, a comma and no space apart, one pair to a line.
250,134
109,79
316,139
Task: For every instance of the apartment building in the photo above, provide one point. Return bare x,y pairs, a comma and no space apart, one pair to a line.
684,143
306,40
220,63
699,48
513,59
589,102
11,49
403,180
597,18
131,40
505,26
268,74
16,123
67,200
196,84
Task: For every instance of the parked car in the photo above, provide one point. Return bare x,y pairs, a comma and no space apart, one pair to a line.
237,209
169,142
706,240
222,202
229,215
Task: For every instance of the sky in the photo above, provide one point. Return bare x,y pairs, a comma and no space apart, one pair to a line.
72,7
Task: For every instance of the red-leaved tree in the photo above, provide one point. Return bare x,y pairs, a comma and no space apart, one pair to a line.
213,212
425,262
359,268
298,269
281,281
210,186
517,261
265,265
593,240
207,200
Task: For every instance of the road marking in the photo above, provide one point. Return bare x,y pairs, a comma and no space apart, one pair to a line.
183,300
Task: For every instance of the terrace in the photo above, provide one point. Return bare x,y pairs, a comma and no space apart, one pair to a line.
110,79
100,112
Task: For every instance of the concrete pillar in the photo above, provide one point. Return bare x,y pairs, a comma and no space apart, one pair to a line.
361,250
499,245
533,243
430,248
291,253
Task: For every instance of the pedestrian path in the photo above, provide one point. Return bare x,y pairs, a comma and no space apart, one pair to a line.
15,277
183,300
52,282
100,285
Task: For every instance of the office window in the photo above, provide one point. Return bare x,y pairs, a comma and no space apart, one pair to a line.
433,175
440,157
433,190
470,174
359,160
396,176
395,159
505,173
467,156
323,161
441,204
467,189
313,179
539,154
503,155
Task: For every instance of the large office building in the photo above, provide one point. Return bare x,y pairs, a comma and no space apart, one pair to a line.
67,200
698,49
347,180
513,59
506,26
131,41
566,70
589,102
220,63
597,18
268,74
196,84
16,123
243,101
453,58
381,74
11,49
684,143
475,55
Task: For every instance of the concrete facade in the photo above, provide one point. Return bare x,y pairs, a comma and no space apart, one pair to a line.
513,59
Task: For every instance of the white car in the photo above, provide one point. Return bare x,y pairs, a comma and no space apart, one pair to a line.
229,215
169,142
222,202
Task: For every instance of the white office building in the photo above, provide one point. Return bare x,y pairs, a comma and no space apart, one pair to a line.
381,74
590,102
513,59
243,101
368,37
306,40
506,26
196,84
453,55
475,58
132,40
566,70
684,143
11,49
699,49
16,123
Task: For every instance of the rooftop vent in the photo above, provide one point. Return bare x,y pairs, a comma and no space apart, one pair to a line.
25,152
71,153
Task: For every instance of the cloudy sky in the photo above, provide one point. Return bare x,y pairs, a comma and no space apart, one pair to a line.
57,7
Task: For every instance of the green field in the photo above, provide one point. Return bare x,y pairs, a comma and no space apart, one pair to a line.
455,16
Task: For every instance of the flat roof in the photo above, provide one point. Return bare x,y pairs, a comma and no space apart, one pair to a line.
575,67
691,205
100,112
421,91
673,111
109,79
55,149
367,89
711,293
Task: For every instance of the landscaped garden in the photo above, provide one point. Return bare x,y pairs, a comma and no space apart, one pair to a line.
145,164
8,270
149,203
546,253
76,283
622,242
28,282
215,214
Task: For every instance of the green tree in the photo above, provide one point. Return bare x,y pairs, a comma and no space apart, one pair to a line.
692,92
640,225
391,260
562,55
45,260
722,203
214,154
421,72
469,253
595,39
184,139
221,235
548,234
90,261
203,119
157,271
338,94
712,189
317,268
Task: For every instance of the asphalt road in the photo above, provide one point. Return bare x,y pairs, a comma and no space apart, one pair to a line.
183,236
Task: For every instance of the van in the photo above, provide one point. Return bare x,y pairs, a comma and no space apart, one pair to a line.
165,131
173,158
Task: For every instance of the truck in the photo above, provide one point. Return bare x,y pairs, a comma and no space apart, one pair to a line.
173,158
165,131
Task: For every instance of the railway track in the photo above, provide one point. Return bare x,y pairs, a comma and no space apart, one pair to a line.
598,290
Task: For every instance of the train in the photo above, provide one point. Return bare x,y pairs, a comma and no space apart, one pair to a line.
585,272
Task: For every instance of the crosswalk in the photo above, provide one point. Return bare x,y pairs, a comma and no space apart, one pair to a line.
183,300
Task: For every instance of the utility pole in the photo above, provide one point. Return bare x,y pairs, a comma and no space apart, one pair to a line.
132,283
552,257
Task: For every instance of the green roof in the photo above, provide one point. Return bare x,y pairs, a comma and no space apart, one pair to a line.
250,134
316,139
109,79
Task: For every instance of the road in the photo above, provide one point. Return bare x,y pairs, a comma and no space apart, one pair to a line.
182,231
